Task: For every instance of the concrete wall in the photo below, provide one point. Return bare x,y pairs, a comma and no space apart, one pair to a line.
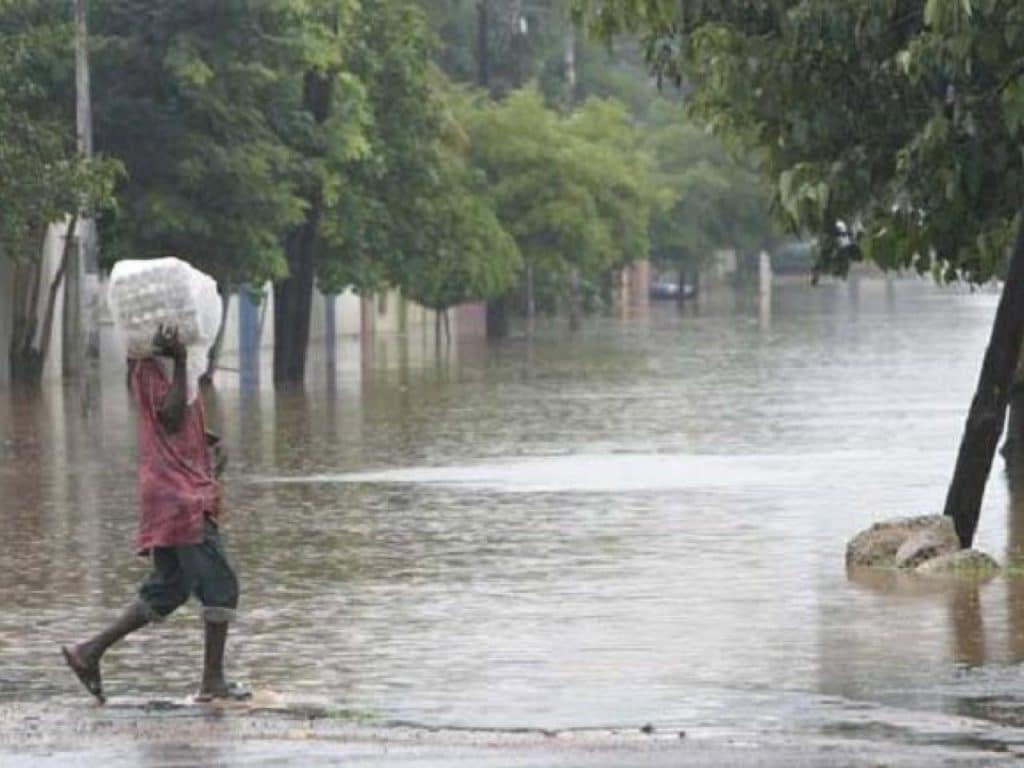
53,249
470,320
344,329
53,246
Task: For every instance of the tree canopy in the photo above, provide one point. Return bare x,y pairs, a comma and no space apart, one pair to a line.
896,121
42,176
708,200
341,144
575,191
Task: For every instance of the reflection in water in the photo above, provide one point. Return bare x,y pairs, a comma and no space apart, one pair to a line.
967,623
1015,558
645,522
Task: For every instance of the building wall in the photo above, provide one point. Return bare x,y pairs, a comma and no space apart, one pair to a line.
340,326
53,246
470,320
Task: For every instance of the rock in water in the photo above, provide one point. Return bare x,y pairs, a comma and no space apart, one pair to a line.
911,540
964,562
928,543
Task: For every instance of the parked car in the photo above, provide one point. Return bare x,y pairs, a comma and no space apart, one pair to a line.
669,290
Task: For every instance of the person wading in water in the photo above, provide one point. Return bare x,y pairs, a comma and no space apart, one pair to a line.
179,503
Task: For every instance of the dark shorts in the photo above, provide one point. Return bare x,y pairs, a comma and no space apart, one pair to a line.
192,569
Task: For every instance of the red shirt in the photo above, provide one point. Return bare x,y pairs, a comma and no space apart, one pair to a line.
177,488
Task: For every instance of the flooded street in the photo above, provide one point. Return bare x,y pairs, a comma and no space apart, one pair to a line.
644,524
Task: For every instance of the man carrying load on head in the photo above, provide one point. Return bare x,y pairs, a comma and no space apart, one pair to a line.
179,502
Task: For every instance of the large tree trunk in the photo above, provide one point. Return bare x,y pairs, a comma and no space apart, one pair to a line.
531,302
497,318
573,294
293,302
988,408
293,296
1013,446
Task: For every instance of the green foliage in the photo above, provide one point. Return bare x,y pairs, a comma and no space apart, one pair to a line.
575,191
42,178
278,135
514,56
705,200
461,253
195,98
709,201
901,118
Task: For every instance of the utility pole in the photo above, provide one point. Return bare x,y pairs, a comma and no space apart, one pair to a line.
497,307
483,60
569,57
87,272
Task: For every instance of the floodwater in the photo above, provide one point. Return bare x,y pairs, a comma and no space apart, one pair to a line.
642,524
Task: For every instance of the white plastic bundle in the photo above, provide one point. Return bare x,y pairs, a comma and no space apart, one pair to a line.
143,295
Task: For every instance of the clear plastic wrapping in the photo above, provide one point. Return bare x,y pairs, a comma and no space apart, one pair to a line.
145,294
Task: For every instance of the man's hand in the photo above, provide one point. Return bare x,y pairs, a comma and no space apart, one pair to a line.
218,453
171,411
167,343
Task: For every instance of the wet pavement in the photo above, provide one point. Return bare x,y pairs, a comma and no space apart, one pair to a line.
158,735
644,524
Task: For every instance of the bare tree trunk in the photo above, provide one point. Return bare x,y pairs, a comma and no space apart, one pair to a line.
574,300
531,302
447,327
213,357
569,58
85,271
497,318
1013,446
988,408
293,296
483,58
19,308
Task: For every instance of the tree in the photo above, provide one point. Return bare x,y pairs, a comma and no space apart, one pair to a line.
225,117
900,119
573,190
461,253
288,141
185,91
412,214
43,180
521,40
328,136
709,200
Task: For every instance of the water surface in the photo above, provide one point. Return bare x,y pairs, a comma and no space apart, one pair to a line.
644,523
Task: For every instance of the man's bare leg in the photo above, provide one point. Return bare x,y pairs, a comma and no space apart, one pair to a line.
215,685
84,658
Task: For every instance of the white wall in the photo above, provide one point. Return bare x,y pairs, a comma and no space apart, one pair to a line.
53,249
350,314
53,246
356,320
